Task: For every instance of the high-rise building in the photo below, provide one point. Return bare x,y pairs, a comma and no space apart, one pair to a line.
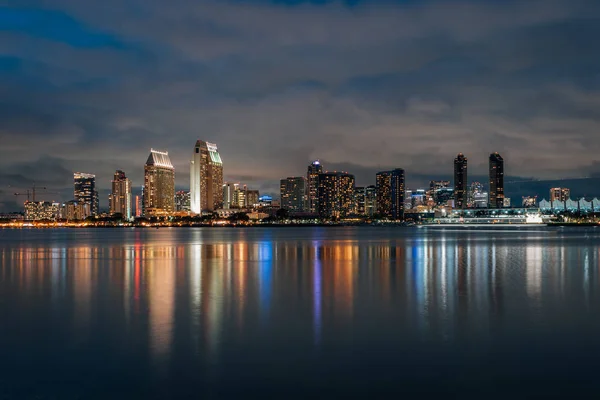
560,194
496,181
159,184
206,178
335,194
239,197
182,201
293,193
85,190
365,199
229,194
252,196
120,196
41,210
312,185
390,193
138,206
460,181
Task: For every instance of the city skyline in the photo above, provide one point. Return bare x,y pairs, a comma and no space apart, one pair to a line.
317,167
92,92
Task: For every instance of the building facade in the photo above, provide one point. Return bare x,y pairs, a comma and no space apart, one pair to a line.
496,167
460,181
120,196
292,192
228,194
560,194
159,184
206,178
85,191
41,211
182,201
365,199
74,211
390,186
335,194
252,196
312,186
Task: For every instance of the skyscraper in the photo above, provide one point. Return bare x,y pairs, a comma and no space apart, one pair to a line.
365,199
460,181
293,193
335,192
85,190
312,184
206,178
120,196
252,196
496,197
229,194
390,193
159,184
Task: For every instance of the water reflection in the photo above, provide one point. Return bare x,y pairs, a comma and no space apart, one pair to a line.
202,294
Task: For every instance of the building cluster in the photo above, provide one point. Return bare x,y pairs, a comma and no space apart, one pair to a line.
335,195
208,192
320,194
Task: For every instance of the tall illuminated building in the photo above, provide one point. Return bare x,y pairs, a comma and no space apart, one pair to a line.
138,206
365,199
335,191
120,196
159,184
252,196
229,194
460,181
496,197
206,178
312,186
85,190
293,193
390,193
560,194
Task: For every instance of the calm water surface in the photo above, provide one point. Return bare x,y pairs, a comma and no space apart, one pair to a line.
298,313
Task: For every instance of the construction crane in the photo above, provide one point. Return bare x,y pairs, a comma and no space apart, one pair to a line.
30,193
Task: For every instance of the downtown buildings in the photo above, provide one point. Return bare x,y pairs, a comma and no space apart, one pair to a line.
390,193
85,191
559,194
159,184
293,193
496,169
206,178
120,196
312,183
460,181
335,195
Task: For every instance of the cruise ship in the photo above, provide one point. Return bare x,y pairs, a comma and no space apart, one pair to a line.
489,218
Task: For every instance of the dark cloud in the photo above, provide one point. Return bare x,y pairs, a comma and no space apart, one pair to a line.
378,84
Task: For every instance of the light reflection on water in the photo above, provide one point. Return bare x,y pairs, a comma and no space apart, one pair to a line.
211,300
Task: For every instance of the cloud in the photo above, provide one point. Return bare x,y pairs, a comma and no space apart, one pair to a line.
275,86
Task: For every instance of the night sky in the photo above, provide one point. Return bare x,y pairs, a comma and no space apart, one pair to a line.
91,86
